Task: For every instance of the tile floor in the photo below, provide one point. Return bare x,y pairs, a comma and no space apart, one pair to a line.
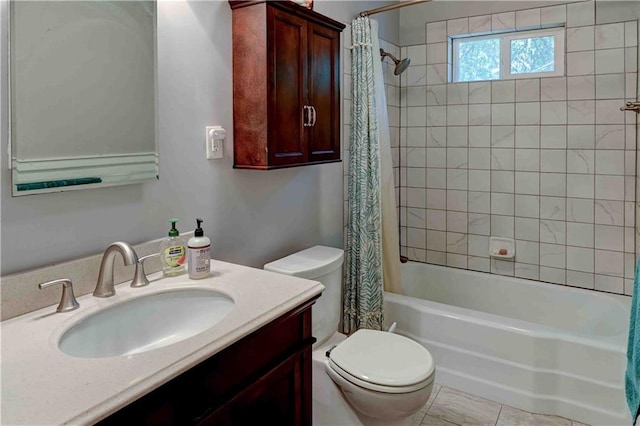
447,407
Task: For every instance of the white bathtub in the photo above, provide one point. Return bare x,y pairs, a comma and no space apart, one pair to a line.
540,347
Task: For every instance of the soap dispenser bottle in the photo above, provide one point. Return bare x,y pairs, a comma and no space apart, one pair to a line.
199,249
173,252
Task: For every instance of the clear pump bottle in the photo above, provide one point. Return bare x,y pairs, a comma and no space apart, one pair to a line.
173,252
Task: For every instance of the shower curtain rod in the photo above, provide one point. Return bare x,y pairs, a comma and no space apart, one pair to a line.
391,7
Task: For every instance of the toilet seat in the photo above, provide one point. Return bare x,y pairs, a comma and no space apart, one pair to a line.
378,388
383,362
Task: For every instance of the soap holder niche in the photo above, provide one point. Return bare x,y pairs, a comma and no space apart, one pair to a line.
503,248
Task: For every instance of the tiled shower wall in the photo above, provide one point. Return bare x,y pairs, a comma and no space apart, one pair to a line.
549,162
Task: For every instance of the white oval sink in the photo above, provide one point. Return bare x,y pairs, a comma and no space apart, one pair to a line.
146,323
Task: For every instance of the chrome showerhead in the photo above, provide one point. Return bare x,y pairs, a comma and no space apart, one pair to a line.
401,64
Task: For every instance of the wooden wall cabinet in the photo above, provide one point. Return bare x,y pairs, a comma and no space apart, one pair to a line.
286,85
265,378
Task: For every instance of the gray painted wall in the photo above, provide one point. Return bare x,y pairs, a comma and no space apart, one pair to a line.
252,217
345,11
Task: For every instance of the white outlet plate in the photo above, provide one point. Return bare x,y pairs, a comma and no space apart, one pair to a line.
215,142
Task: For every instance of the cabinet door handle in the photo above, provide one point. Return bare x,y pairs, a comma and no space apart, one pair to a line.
307,116
314,116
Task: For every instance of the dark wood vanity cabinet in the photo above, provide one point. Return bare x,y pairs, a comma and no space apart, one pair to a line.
264,378
286,85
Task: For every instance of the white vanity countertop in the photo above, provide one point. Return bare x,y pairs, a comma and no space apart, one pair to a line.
42,385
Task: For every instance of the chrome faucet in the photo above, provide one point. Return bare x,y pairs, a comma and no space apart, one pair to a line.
105,286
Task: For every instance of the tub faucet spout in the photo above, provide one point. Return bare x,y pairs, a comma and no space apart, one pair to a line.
105,286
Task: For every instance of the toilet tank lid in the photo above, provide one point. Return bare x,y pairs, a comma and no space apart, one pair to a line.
310,263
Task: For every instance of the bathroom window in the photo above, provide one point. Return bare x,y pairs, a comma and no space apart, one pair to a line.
521,54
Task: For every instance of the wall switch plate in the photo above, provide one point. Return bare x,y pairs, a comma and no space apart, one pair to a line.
215,142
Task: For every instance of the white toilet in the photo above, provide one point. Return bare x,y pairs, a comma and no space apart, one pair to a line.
385,377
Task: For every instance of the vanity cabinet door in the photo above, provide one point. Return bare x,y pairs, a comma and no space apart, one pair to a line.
286,85
274,399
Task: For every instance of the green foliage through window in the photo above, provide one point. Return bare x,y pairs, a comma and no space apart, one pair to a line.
534,54
479,59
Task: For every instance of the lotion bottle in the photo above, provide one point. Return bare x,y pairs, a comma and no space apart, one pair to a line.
173,252
199,249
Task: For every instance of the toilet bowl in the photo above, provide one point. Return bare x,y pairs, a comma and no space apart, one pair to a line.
386,378
383,375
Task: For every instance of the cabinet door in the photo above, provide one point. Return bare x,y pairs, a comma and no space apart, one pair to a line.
281,397
324,93
287,77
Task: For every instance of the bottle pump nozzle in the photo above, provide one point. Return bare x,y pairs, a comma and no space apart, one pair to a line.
173,232
199,232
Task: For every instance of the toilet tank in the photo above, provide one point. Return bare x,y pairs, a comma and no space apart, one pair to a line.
324,264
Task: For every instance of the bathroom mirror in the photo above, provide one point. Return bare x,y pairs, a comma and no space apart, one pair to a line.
82,83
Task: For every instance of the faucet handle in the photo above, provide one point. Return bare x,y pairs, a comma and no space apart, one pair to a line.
139,277
68,301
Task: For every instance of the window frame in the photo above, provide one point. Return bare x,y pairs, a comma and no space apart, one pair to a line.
505,53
